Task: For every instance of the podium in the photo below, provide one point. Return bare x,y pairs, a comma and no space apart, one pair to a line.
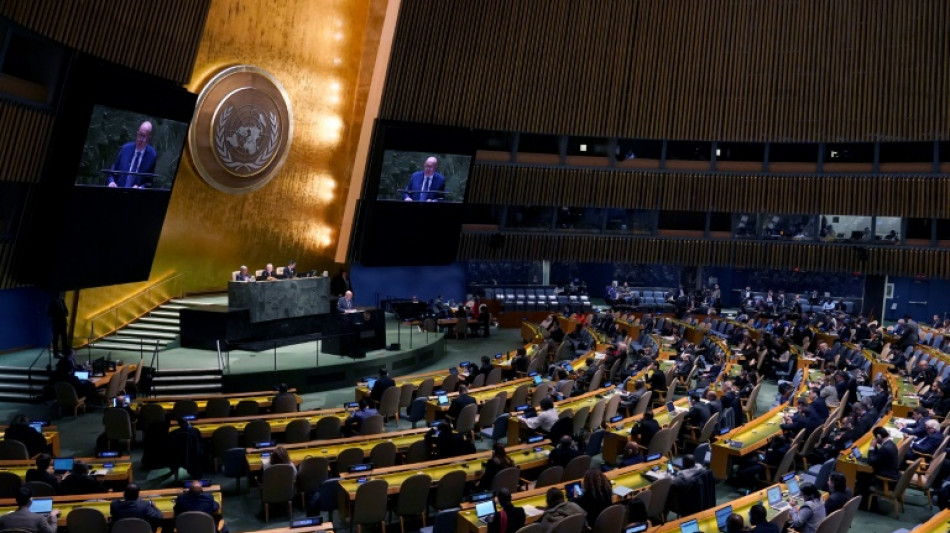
354,334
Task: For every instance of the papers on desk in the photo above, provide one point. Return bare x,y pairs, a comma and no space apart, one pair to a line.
530,511
895,433
622,491
99,472
904,421
599,356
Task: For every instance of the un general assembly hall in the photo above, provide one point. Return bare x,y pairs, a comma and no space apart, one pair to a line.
475,266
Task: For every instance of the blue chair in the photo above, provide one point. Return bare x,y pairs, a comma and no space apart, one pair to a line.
595,443
498,430
446,521
235,465
325,499
819,474
416,410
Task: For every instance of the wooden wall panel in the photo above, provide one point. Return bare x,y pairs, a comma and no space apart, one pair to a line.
803,70
159,37
24,135
922,196
740,254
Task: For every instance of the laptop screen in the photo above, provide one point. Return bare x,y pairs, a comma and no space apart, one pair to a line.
82,375
637,528
722,515
485,508
41,505
774,495
370,383
38,426
537,380
690,526
453,371
670,407
63,464
793,489
443,399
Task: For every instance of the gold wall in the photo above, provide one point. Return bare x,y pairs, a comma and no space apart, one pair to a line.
323,52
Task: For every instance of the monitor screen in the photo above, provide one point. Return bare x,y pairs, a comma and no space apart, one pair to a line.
38,426
793,488
443,399
639,527
670,407
41,505
423,177
126,149
370,383
63,464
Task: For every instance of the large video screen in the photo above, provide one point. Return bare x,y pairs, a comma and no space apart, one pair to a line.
423,176
126,149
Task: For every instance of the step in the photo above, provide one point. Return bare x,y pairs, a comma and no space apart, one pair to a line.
14,398
197,388
189,379
165,328
133,331
164,313
175,304
21,387
23,370
120,346
186,371
137,339
41,377
158,320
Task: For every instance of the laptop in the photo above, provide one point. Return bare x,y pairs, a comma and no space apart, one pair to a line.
639,527
82,375
38,426
537,379
856,452
370,383
690,526
42,506
794,491
62,465
484,509
722,515
776,502
443,399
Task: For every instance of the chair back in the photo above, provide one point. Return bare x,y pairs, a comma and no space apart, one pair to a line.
810,442
277,485
284,403
904,480
223,439
327,428
450,383
570,524
902,450
418,452
708,428
662,442
11,449
660,491
499,429
117,424
551,475
596,380
372,425
450,490
247,408
596,417
87,520
643,403
257,431
781,519
311,473
150,414
39,488
787,461
184,408
417,410
479,381
235,462
850,510
131,525
217,408
610,409
65,394
383,454
531,528
752,401
831,522
576,468
595,442
580,419
10,484
425,388
446,521
932,471
519,396
494,377
611,519
565,387
413,496
348,458
405,395
298,430
508,478
465,423
389,403
702,450
194,522
488,413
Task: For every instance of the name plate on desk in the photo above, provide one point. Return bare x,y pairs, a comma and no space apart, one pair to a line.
273,300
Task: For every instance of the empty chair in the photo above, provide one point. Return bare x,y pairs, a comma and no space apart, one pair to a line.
519,396
595,443
389,404
327,498
348,458
413,498
38,488
479,381
417,410
383,454
277,486
298,430
449,491
446,521
311,473
610,409
498,430
131,525
405,395
450,383
118,429
494,377
373,425
194,522
580,419
596,417
235,465
850,510
642,404
328,427
576,468
831,522
551,475
13,450
284,403
508,478
425,388
417,452
87,520
185,408
924,481
10,484
257,431
247,408
487,415
223,439
659,493
67,399
217,408
611,519
531,528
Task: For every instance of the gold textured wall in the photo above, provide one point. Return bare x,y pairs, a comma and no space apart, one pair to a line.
322,51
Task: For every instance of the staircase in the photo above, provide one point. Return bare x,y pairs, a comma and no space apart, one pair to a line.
19,384
186,382
159,327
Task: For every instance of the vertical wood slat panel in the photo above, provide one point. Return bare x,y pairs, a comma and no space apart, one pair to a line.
159,37
810,70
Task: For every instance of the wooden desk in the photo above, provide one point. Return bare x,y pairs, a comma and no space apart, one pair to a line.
617,434
904,395
163,499
331,448
121,471
103,380
937,524
263,399
51,433
524,457
847,465
707,518
362,391
326,526
278,422
435,411
630,477
753,436
517,430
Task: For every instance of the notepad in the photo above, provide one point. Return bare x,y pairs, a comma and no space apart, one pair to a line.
622,491
530,511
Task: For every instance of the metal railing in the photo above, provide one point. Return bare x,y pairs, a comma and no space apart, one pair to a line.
135,306
30,371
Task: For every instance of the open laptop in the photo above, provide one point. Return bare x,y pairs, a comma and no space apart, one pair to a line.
61,465
638,527
42,506
776,502
82,375
722,516
794,491
38,426
484,509
370,383
537,379
443,399
690,526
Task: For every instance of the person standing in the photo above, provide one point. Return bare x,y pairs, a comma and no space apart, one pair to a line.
345,303
58,314
882,457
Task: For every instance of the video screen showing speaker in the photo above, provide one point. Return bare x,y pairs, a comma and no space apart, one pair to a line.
128,149
409,176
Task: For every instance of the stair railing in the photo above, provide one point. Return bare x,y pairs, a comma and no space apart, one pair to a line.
49,366
135,306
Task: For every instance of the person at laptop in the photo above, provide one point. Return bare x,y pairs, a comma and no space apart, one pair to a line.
383,382
499,461
80,482
758,519
458,403
806,517
597,495
564,452
20,430
545,419
735,524
557,509
510,518
132,507
838,492
25,520
44,472
352,424
644,430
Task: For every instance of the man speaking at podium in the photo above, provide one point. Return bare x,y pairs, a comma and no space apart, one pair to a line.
136,158
426,185
345,303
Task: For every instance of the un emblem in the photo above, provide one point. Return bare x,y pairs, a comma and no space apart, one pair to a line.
240,135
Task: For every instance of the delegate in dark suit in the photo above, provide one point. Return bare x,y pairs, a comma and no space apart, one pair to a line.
417,191
124,163
133,507
458,404
194,499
